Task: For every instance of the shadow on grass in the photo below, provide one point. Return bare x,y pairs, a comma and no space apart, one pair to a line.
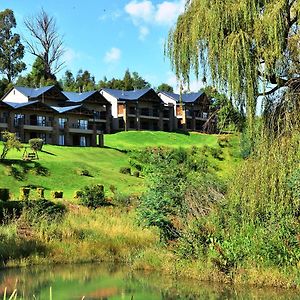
20,168
47,152
117,149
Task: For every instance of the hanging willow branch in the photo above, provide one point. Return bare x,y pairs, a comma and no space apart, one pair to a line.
241,42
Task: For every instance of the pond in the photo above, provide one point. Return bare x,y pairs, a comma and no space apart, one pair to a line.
98,281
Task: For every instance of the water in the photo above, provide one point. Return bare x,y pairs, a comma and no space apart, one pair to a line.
98,281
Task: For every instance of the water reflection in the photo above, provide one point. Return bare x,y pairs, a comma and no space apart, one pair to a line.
98,281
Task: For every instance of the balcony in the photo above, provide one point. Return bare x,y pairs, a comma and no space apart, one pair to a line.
35,125
149,113
81,128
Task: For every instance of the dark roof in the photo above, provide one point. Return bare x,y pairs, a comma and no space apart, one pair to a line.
16,105
186,98
64,109
127,95
32,92
78,97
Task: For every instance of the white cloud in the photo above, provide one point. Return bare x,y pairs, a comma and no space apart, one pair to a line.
167,12
140,11
113,55
144,13
144,31
195,85
70,55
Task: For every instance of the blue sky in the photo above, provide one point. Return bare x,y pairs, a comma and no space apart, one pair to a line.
107,37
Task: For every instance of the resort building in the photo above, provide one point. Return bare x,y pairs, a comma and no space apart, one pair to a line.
191,110
139,110
49,114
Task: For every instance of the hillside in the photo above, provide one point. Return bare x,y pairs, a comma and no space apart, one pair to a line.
60,168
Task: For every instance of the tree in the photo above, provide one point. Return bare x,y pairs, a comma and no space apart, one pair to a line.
68,82
85,81
46,43
128,83
243,44
10,142
11,48
5,86
164,87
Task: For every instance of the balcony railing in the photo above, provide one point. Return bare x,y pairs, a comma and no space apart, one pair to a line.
79,126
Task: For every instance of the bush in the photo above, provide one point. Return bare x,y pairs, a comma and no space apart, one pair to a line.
93,196
136,174
84,172
125,170
36,144
223,141
4,194
216,153
57,194
10,210
77,194
43,209
24,193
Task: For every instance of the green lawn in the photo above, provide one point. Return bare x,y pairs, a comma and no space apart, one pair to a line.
60,166
141,139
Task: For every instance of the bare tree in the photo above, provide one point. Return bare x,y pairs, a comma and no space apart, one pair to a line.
45,42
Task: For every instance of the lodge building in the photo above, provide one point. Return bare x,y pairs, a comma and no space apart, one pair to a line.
80,119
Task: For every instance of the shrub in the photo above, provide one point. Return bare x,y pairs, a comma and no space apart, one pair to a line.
125,170
57,194
10,210
77,194
223,141
93,196
36,144
43,209
136,174
216,153
4,194
24,193
83,172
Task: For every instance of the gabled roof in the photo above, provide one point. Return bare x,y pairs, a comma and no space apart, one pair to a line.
78,97
186,98
33,92
127,95
64,109
16,105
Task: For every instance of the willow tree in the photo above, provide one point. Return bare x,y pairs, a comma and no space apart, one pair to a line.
244,45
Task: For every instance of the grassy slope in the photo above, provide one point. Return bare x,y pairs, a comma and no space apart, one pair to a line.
104,163
141,139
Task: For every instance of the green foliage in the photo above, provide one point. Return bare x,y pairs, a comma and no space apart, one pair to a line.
170,175
57,194
42,209
10,210
93,196
249,42
10,142
4,194
129,82
164,87
36,144
11,48
125,170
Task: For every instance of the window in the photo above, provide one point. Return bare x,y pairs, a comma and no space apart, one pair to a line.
83,124
61,122
205,115
61,140
40,121
82,141
19,119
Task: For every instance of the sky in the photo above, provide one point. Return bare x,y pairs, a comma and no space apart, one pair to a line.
107,37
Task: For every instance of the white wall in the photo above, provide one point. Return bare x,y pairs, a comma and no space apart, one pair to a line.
114,108
15,96
167,100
